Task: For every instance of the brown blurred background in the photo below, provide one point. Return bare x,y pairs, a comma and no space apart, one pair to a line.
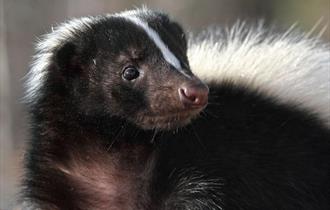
21,22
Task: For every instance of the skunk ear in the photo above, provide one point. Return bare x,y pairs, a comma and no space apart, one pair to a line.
67,59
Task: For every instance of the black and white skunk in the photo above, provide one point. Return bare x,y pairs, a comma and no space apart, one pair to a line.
118,119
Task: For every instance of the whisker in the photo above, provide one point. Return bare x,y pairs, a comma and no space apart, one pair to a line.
154,136
202,115
215,103
208,113
122,128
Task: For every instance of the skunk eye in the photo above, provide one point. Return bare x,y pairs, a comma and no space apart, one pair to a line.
130,73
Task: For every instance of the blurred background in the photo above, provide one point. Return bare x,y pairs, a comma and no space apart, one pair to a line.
21,22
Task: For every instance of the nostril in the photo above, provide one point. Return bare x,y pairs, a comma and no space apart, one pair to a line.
188,94
194,96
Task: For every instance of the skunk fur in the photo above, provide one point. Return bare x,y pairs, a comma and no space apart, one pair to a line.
263,141
290,67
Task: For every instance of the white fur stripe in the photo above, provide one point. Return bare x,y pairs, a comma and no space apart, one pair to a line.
167,54
289,67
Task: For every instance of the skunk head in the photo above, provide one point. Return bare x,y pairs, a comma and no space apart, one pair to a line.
131,65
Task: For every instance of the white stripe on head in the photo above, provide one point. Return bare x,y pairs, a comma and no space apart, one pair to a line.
153,35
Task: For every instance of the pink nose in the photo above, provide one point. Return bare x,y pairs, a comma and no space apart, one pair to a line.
194,96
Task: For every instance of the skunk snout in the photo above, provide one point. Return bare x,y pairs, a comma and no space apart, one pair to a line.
194,94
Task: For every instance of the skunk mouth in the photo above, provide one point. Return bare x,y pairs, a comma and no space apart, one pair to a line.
167,121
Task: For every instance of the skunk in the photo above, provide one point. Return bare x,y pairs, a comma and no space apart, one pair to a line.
125,114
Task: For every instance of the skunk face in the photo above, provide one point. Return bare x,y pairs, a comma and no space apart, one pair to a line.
130,65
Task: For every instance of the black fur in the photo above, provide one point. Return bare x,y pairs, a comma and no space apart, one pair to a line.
264,154
92,149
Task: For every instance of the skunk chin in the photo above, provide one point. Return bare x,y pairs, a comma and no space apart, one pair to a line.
167,121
